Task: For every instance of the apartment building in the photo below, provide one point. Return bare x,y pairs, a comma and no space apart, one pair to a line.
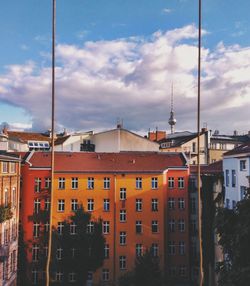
142,198
9,216
212,197
236,168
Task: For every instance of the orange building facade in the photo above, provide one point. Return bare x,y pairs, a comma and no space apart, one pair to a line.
141,197
9,216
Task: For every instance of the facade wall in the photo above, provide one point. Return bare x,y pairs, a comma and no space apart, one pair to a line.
235,184
9,200
171,263
190,149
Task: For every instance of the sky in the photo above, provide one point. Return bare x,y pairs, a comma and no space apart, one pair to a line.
117,60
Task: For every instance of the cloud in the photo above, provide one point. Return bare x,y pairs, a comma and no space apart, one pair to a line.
167,11
131,78
82,34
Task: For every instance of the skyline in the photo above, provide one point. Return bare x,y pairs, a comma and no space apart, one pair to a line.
109,55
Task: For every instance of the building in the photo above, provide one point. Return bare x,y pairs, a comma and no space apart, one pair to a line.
220,144
115,140
212,196
187,142
142,198
9,217
19,141
236,168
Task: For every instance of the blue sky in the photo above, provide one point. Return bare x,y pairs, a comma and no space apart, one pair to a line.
95,37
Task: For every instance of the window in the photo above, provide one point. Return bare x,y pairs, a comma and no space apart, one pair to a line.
59,252
36,229
123,236
105,227
181,225
171,203
122,193
138,250
46,226
122,262
193,226
233,204
123,215
37,205
106,183
72,228
171,182
6,197
155,250
171,248
47,204
38,183
138,205
154,183
194,147
60,205
61,183
227,178
138,226
74,183
183,270
106,251
47,183
193,205
181,203
181,247
90,278
4,167
181,183
91,183
12,167
105,274
59,276
74,204
242,165
35,252
34,274
154,226
138,183
90,206
14,197
171,225
90,227
60,226
242,192
72,277
154,205
233,178
106,205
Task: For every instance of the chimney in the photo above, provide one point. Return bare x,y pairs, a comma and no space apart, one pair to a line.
235,132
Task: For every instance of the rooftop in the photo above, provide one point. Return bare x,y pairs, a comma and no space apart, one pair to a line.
107,162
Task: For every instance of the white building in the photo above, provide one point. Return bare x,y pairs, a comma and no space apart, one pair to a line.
236,168
115,140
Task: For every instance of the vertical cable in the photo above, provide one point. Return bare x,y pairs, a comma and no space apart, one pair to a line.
52,142
198,155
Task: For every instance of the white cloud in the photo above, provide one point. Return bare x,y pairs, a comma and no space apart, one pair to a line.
167,11
131,79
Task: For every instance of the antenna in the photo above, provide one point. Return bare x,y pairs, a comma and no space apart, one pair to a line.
172,120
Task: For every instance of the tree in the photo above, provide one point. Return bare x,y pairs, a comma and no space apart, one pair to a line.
79,249
233,227
146,272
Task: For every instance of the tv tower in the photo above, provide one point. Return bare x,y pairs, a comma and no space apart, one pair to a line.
172,120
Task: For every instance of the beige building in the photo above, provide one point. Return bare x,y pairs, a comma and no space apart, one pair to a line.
187,142
9,217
